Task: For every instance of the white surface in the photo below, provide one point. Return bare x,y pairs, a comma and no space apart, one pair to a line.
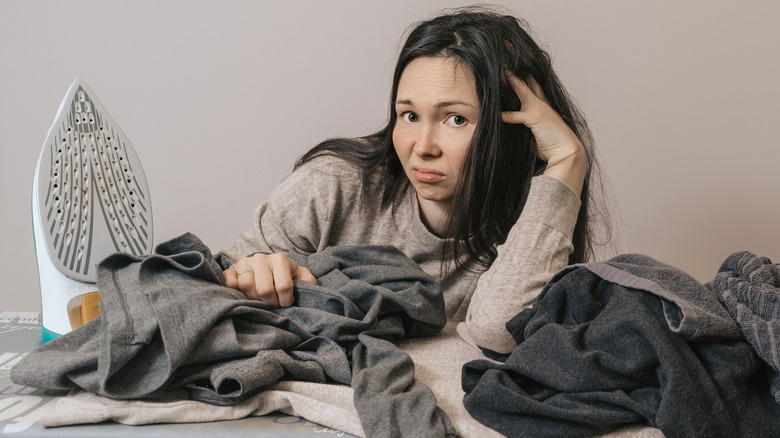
57,289
219,98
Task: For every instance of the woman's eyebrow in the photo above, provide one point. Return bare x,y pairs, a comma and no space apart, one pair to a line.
454,102
438,105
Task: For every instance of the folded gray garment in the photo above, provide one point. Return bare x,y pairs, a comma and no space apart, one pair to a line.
749,287
168,321
690,309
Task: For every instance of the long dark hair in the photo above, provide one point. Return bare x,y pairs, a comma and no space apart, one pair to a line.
501,160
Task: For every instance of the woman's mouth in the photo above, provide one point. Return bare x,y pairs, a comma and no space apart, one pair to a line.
427,175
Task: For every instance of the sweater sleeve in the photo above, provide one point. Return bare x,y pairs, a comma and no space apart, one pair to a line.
536,248
297,216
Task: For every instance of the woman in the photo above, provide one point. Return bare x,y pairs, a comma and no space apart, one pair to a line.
481,176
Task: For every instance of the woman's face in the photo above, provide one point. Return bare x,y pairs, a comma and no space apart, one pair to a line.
437,109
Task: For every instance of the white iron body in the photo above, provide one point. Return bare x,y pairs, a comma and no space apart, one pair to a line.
90,199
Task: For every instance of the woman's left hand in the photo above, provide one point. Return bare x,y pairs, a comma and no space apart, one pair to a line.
556,143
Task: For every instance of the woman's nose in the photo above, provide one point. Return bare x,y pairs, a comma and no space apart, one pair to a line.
426,144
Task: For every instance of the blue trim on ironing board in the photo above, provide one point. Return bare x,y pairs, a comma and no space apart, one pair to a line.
48,335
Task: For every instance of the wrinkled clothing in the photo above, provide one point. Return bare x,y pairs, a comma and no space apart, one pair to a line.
749,287
169,322
627,341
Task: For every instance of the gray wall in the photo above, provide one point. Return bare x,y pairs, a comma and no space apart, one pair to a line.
219,98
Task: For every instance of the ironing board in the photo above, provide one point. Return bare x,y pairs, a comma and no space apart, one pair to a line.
21,407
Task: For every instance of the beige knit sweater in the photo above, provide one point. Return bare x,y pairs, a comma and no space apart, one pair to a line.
319,205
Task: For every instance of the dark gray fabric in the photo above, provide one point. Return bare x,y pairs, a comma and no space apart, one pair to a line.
690,308
594,355
749,287
168,322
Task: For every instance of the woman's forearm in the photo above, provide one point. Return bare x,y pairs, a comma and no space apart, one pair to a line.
536,248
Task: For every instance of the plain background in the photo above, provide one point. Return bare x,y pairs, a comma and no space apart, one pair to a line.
220,97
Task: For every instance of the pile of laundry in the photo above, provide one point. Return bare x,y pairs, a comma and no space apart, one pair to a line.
633,340
623,342
169,326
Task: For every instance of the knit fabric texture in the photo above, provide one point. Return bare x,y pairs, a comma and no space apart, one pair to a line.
168,322
749,287
628,341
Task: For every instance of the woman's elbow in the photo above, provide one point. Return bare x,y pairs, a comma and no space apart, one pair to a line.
490,334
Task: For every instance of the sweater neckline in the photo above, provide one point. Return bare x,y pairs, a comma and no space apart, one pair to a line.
421,232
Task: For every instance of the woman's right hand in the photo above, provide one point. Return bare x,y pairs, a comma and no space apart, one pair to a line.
268,278
556,143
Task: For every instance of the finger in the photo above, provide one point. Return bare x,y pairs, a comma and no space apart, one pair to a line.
283,282
263,286
536,89
304,274
255,279
527,100
514,117
520,87
231,277
246,284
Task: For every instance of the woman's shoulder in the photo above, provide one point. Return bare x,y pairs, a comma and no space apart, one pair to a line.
327,173
328,164
325,177
349,158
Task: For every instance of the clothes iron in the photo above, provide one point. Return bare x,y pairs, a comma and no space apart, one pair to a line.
90,199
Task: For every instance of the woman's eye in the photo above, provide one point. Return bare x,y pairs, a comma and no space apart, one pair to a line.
457,120
409,117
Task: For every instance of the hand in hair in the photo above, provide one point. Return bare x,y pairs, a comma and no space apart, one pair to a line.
556,143
268,278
